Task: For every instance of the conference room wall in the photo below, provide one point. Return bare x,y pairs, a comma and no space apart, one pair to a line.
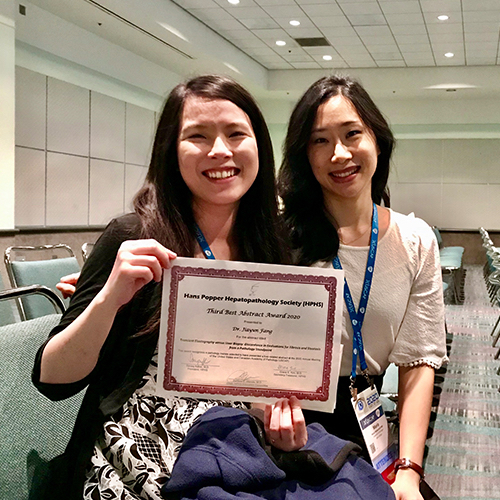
80,155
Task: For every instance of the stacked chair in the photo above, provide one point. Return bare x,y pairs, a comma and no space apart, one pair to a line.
491,273
40,265
452,269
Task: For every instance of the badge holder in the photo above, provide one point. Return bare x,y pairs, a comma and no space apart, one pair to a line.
379,439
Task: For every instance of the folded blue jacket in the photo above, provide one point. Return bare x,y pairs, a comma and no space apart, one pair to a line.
224,457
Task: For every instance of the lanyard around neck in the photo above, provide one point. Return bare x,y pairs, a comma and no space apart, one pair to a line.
203,243
358,317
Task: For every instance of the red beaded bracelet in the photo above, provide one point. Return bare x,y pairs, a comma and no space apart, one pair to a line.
406,463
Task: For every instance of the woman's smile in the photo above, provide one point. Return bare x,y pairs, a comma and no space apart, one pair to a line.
220,174
345,175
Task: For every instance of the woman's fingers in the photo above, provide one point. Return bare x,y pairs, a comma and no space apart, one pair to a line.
71,279
150,247
285,425
66,289
299,422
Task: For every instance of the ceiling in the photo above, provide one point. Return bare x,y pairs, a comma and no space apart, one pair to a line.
396,47
360,33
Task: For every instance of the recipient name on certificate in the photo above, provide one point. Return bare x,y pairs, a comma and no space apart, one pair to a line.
250,332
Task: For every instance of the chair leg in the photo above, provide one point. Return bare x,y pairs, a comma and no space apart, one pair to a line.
495,327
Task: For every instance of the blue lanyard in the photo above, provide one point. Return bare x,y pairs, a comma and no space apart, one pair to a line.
357,318
203,244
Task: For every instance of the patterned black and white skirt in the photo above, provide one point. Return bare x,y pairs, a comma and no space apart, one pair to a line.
135,454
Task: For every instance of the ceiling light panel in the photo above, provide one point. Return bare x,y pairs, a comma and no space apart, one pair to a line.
446,38
481,37
441,6
367,19
331,22
445,28
197,4
414,48
306,65
322,10
305,33
404,19
480,27
409,29
356,8
400,63
265,3
259,24
483,5
480,16
383,31
411,39
401,7
292,12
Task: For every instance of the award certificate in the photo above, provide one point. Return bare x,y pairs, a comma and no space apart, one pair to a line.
241,331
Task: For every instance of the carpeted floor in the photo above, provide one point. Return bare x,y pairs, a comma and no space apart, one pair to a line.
463,460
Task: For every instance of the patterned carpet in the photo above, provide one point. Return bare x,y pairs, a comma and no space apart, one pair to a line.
463,460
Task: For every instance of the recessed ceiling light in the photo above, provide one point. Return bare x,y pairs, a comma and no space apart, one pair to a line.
233,68
449,54
295,23
173,30
234,2
327,58
444,17
281,43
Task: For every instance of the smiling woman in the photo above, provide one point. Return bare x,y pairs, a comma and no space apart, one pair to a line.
211,166
334,173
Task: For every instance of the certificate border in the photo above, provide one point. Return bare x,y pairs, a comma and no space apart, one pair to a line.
180,272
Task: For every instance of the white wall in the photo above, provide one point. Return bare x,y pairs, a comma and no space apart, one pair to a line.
7,94
80,155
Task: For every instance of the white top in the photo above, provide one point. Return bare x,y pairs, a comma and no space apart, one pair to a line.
404,321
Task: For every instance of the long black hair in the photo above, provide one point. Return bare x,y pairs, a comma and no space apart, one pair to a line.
311,228
164,204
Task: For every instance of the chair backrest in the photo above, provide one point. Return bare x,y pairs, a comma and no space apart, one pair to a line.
41,271
87,250
391,381
30,424
438,236
6,308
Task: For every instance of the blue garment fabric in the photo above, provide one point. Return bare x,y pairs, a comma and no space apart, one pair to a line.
224,457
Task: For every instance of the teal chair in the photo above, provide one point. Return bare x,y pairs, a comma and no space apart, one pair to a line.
452,267
33,429
29,265
7,316
389,391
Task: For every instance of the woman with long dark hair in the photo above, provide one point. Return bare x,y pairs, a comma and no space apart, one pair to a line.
211,171
334,174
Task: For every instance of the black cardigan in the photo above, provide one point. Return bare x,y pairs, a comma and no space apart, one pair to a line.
122,361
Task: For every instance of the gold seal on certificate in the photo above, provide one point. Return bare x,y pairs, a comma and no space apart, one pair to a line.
250,332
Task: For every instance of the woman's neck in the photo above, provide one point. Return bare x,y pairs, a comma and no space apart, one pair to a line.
352,219
216,223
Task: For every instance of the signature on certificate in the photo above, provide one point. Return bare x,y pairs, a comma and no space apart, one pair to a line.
241,377
194,362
